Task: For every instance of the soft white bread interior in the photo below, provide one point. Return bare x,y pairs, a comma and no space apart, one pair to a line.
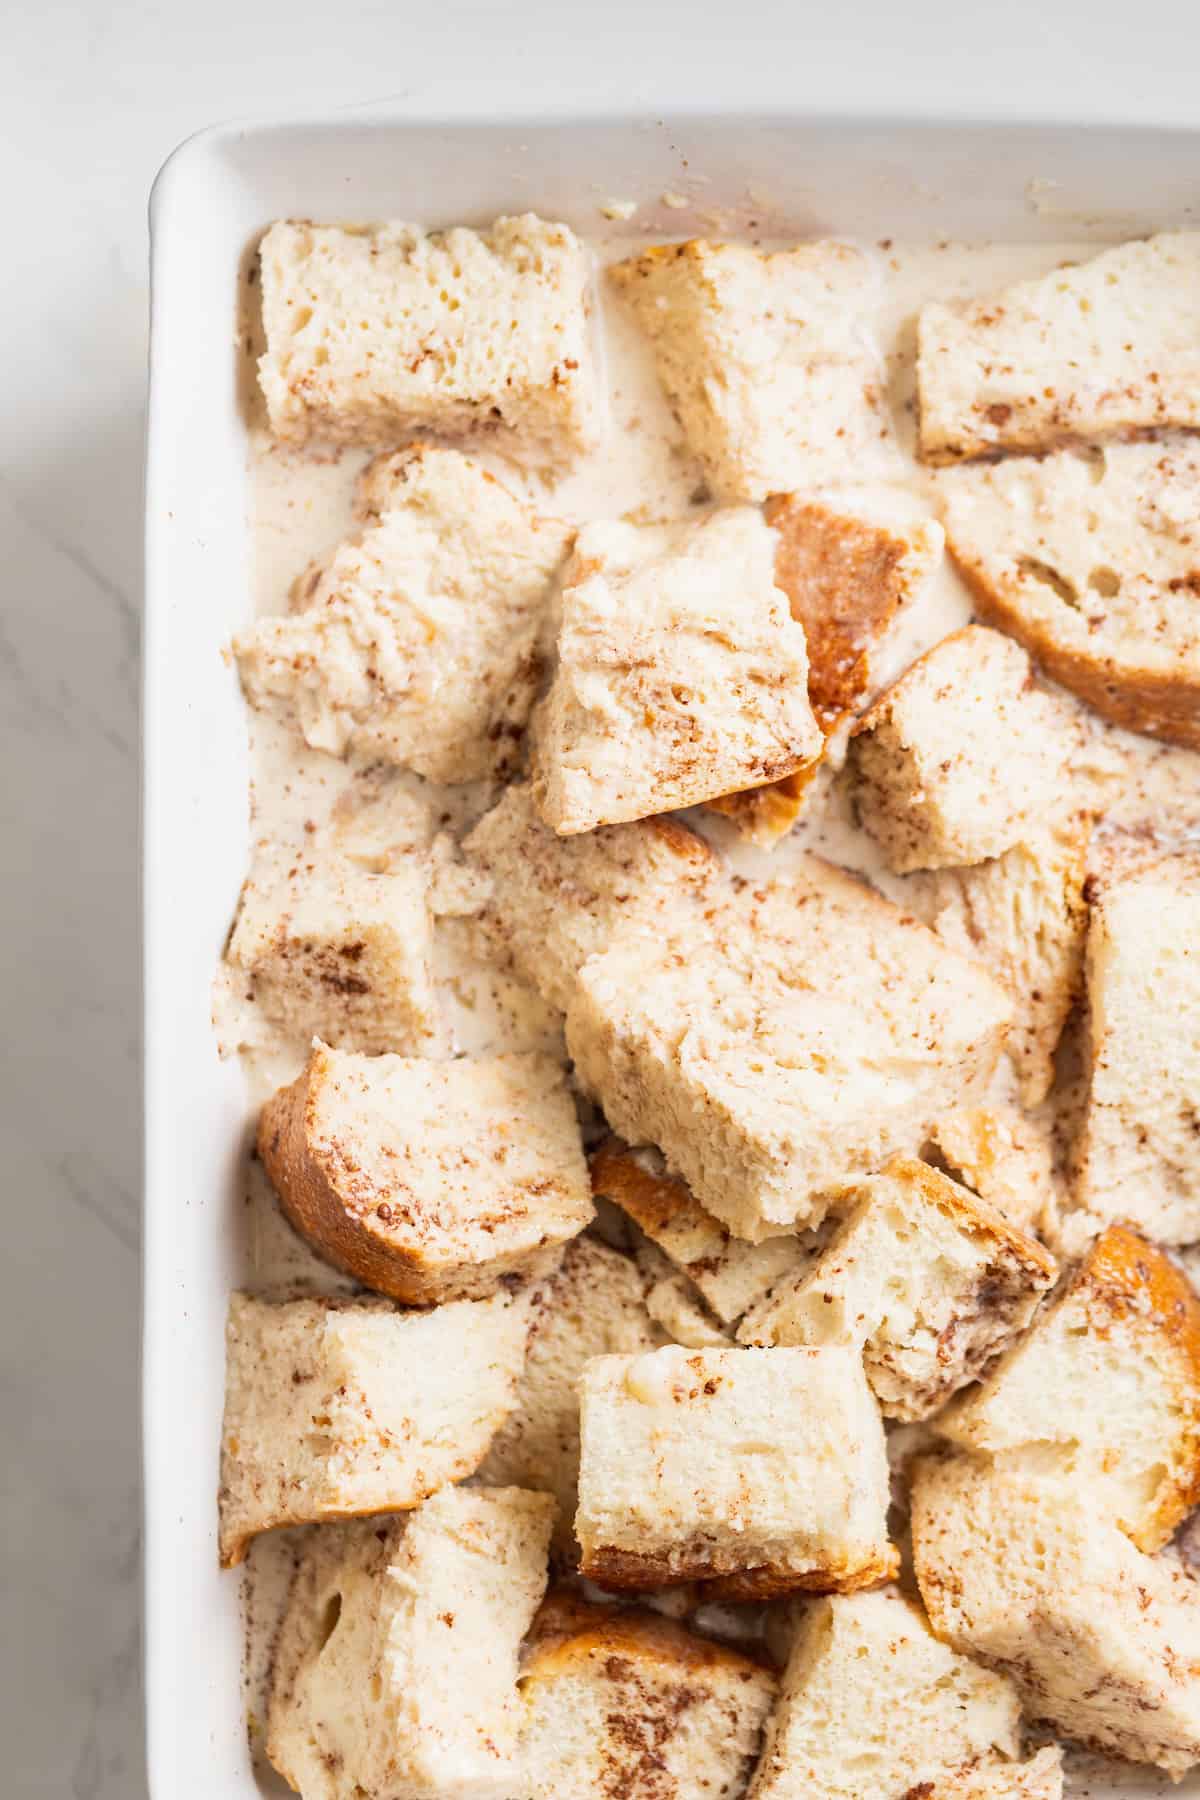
806,1033
1103,1394
766,361
1041,1778
593,1305
928,1281
873,1707
416,641
675,1304
555,901
1093,563
1102,1640
765,1467
396,1665
627,1702
429,1180
957,759
376,335
335,1408
1104,347
1138,1154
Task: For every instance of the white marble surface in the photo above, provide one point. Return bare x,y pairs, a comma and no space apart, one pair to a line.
94,96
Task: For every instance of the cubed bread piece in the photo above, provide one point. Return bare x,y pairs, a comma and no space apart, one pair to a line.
1023,913
1041,1778
766,1467
675,1304
1138,1156
927,1280
327,948
1102,1641
416,641
628,1703
1003,1157
557,901
766,359
730,1273
592,1306
1104,1392
872,1707
681,673
335,1408
1093,563
954,763
377,335
395,1671
848,574
429,1180
809,1032
1104,347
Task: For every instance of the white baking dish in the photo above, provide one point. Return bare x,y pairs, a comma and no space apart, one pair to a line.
798,176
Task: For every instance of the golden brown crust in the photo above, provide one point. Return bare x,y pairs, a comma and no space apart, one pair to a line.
974,1214
630,1569
1145,700
569,1630
651,1201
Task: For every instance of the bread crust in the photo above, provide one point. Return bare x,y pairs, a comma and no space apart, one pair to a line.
628,1569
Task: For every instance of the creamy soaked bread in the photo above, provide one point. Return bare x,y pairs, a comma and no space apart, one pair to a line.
1102,1641
1093,563
416,641
766,361
954,763
811,1030
765,1467
1138,1156
429,1180
926,1280
1003,1157
555,902
377,335
872,1707
395,1671
337,1407
629,1703
849,572
675,1305
1103,1394
324,947
593,1305
681,672
1041,1778
1104,348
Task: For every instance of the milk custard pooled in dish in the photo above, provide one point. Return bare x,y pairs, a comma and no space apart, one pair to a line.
717,984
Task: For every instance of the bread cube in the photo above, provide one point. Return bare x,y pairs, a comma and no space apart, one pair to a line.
377,335
629,1703
1106,347
1104,1392
323,947
1138,1156
1041,1778
953,763
929,1282
1003,1157
872,1707
729,1273
592,1305
396,1666
416,641
1102,1641
426,1180
765,1467
681,673
766,360
335,1408
1092,562
1023,913
849,573
555,901
809,1032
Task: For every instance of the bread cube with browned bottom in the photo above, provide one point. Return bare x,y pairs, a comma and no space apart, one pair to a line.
762,1470
425,1180
337,1408
395,1671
